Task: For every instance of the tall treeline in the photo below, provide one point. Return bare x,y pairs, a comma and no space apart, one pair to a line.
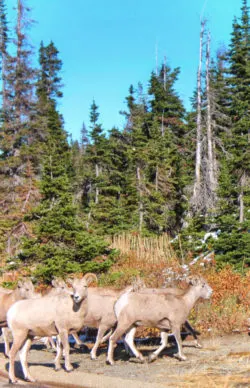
167,171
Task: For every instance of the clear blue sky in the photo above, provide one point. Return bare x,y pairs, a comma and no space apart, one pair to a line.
106,45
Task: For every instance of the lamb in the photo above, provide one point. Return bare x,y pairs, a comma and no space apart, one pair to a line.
24,290
164,311
47,316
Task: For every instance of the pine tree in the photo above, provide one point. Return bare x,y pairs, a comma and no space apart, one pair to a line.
18,183
95,181
167,145
233,246
60,244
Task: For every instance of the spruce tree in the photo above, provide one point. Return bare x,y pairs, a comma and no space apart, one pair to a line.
17,170
167,145
233,245
60,244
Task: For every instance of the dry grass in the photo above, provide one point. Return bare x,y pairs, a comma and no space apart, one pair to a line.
149,250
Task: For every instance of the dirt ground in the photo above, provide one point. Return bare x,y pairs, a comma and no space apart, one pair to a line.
224,361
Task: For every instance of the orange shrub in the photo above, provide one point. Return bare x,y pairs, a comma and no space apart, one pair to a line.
150,258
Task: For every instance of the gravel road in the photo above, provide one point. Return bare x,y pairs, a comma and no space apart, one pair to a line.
222,362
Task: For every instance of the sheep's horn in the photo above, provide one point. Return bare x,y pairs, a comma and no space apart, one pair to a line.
90,277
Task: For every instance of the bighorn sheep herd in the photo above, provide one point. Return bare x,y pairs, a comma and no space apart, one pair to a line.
67,309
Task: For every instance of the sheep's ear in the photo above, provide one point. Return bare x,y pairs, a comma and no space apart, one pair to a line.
90,277
19,283
194,280
54,283
191,280
70,281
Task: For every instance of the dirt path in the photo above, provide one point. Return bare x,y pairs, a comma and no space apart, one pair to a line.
222,362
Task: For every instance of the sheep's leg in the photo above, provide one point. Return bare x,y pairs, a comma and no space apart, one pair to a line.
19,338
58,354
129,339
5,334
106,337
177,334
99,338
63,334
51,342
163,345
23,354
192,331
121,328
77,339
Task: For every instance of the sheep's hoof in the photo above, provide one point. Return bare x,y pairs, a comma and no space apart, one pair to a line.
94,358
181,358
198,346
57,368
69,370
109,362
13,381
30,379
152,357
78,346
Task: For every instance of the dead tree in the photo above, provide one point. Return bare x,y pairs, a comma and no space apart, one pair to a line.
197,182
211,178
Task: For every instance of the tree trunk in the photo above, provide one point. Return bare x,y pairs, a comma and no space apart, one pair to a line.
241,197
140,206
157,178
197,183
97,173
18,61
210,149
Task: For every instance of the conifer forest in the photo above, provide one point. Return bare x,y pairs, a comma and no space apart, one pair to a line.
168,171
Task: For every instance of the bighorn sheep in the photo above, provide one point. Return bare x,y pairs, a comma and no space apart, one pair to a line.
164,311
100,314
59,287
169,290
47,316
24,290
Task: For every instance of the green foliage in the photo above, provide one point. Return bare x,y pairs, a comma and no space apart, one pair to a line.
59,199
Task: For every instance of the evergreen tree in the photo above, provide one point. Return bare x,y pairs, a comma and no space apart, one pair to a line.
167,145
234,245
96,177
60,245
18,185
